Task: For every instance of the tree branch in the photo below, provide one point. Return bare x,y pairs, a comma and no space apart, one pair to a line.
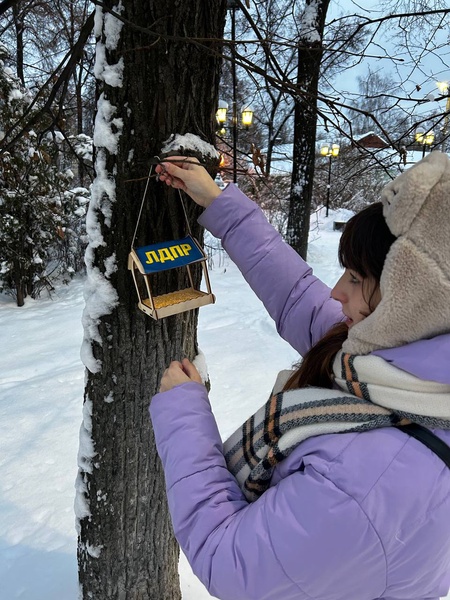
6,4
61,83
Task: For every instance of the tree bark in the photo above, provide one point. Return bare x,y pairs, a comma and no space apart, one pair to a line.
126,550
18,25
305,122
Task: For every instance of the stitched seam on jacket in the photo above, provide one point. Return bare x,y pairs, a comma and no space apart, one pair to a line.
417,522
369,521
278,561
269,533
387,467
201,471
229,518
330,464
369,491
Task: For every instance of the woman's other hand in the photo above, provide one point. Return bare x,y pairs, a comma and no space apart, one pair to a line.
188,175
178,373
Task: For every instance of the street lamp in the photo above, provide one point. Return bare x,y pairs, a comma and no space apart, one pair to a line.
426,138
221,113
444,88
246,120
247,113
332,152
221,116
247,116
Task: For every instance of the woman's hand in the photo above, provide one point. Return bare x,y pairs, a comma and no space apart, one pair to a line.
178,373
189,177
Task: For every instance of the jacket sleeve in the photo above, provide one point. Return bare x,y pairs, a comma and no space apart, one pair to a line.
303,538
299,302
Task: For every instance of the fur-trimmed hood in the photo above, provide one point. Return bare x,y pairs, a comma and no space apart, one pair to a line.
415,282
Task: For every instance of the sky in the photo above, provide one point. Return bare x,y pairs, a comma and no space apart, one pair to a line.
41,397
414,68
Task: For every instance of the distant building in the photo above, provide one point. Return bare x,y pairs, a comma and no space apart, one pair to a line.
369,140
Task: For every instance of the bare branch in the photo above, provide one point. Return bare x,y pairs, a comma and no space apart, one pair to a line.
61,84
7,4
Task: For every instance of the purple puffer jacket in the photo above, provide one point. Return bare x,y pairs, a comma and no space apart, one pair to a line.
348,516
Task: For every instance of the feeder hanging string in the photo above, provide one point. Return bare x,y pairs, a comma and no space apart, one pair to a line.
185,213
142,205
143,200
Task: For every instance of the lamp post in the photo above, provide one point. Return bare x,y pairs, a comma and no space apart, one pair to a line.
246,120
247,112
232,5
444,88
426,138
332,152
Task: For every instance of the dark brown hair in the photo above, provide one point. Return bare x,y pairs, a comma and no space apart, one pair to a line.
363,248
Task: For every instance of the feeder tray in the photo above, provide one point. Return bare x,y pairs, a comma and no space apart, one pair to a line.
145,261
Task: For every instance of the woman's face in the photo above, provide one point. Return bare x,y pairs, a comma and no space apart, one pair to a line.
355,292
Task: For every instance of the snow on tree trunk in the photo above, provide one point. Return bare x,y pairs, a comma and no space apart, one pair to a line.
310,53
150,85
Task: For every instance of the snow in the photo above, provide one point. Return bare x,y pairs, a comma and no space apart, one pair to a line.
111,74
180,143
113,27
15,95
86,453
307,24
107,128
41,409
100,296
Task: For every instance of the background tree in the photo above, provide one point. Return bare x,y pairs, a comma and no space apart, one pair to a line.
144,52
286,61
39,225
244,137
310,51
342,44
376,98
51,62
265,48
273,22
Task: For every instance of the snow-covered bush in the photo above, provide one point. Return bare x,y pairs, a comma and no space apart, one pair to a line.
39,217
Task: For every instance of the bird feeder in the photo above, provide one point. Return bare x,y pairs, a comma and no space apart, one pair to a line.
146,261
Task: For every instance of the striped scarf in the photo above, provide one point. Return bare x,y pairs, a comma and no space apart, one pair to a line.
372,394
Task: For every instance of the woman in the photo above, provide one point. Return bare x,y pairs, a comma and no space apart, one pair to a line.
323,493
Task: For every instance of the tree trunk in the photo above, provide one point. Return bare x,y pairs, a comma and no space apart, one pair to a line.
126,550
78,87
305,121
19,285
18,25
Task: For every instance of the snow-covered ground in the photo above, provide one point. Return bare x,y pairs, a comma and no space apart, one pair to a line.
41,394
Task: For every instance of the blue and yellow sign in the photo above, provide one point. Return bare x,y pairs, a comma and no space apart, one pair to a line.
169,255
